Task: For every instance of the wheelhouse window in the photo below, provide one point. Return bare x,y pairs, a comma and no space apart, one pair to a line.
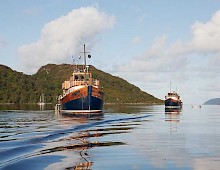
82,77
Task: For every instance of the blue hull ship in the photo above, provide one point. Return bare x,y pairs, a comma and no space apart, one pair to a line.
87,100
173,100
82,93
173,103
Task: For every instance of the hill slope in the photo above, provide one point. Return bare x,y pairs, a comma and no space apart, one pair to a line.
17,87
215,101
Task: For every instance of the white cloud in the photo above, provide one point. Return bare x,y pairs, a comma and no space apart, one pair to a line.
205,41
206,36
158,58
62,37
163,57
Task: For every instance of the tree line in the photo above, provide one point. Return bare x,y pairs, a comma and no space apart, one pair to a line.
17,87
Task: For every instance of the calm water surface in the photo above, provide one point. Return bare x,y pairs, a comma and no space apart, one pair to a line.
136,137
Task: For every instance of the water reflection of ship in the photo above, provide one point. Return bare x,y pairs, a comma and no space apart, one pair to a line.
173,110
75,114
81,142
83,163
172,115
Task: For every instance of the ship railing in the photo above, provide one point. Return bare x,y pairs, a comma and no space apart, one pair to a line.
67,84
80,82
84,82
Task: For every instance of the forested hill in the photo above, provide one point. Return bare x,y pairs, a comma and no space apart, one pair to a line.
17,87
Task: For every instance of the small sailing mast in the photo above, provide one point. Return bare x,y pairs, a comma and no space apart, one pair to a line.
42,100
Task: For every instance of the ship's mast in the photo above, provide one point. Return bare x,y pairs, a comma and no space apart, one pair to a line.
170,87
84,53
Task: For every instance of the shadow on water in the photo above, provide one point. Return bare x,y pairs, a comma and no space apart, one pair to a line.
26,107
73,137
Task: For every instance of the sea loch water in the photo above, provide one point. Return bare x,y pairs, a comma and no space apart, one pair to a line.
136,137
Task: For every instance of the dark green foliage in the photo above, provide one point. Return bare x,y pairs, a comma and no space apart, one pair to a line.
17,87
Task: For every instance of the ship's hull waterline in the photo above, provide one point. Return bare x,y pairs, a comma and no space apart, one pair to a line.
88,98
170,103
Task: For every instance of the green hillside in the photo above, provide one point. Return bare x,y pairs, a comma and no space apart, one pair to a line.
17,87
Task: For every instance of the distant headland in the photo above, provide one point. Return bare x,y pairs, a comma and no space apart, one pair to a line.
214,101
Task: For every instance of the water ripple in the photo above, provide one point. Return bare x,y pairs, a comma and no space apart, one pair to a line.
18,150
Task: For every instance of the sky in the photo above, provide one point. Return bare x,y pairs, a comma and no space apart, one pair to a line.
149,43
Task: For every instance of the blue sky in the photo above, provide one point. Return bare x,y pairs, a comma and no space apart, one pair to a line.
150,43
